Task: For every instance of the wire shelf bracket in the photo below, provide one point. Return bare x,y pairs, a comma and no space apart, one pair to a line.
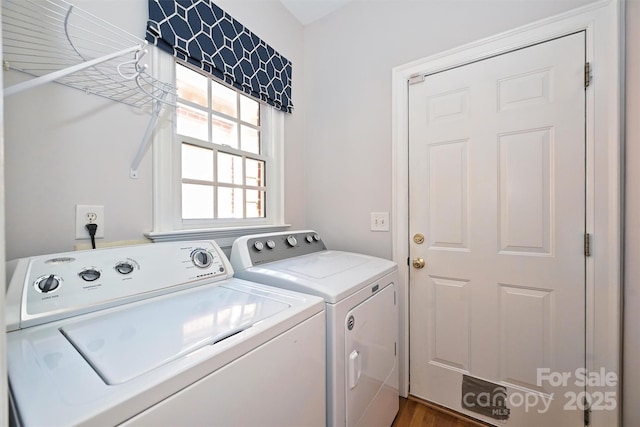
55,41
146,139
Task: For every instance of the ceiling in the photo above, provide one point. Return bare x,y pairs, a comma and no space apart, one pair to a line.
308,11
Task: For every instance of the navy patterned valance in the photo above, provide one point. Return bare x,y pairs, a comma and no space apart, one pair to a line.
199,32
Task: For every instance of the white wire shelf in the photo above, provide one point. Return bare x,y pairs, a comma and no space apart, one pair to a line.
53,40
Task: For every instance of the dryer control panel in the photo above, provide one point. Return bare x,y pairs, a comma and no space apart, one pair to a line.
269,247
51,287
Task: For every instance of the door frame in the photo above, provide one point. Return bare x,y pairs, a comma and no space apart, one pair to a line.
604,173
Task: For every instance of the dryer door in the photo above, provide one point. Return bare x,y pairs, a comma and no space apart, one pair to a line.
371,330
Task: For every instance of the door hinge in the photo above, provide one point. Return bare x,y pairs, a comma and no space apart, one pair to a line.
587,244
416,78
587,74
587,412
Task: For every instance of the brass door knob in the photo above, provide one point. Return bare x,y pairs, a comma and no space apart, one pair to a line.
418,263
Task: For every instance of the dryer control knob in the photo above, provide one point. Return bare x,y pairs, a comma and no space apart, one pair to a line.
309,238
201,258
258,245
292,241
271,244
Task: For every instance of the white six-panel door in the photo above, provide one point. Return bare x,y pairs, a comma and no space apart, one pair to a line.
497,188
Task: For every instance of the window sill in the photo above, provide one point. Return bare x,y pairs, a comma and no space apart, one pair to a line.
224,237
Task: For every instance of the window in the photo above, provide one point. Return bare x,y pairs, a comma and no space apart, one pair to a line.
222,167
217,160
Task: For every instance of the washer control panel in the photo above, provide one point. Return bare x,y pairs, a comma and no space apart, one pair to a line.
56,286
263,248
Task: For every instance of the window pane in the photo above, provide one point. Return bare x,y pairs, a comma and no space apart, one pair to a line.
192,86
191,122
250,139
255,173
223,132
197,201
223,99
249,110
229,168
230,202
197,163
217,171
255,204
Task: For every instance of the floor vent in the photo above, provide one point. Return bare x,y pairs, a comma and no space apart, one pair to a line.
484,398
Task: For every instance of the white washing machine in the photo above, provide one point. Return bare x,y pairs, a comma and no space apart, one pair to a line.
160,334
362,317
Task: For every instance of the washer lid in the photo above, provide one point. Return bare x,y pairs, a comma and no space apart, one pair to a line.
125,344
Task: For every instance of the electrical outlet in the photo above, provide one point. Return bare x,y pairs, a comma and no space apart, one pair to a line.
379,221
86,214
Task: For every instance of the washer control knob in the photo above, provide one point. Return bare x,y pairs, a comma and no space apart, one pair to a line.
46,284
316,237
124,267
89,274
201,258
309,238
292,241
258,245
271,244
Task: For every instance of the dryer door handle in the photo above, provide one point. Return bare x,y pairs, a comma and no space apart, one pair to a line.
355,368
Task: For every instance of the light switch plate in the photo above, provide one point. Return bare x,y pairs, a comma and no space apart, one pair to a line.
379,221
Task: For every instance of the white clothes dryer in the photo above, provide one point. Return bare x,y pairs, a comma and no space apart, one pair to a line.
362,317
163,335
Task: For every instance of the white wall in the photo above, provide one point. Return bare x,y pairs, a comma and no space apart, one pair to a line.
631,367
65,148
348,60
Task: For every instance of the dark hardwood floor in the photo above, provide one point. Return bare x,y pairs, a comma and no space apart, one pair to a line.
417,413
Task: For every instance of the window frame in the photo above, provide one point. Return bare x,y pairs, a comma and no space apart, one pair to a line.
167,174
